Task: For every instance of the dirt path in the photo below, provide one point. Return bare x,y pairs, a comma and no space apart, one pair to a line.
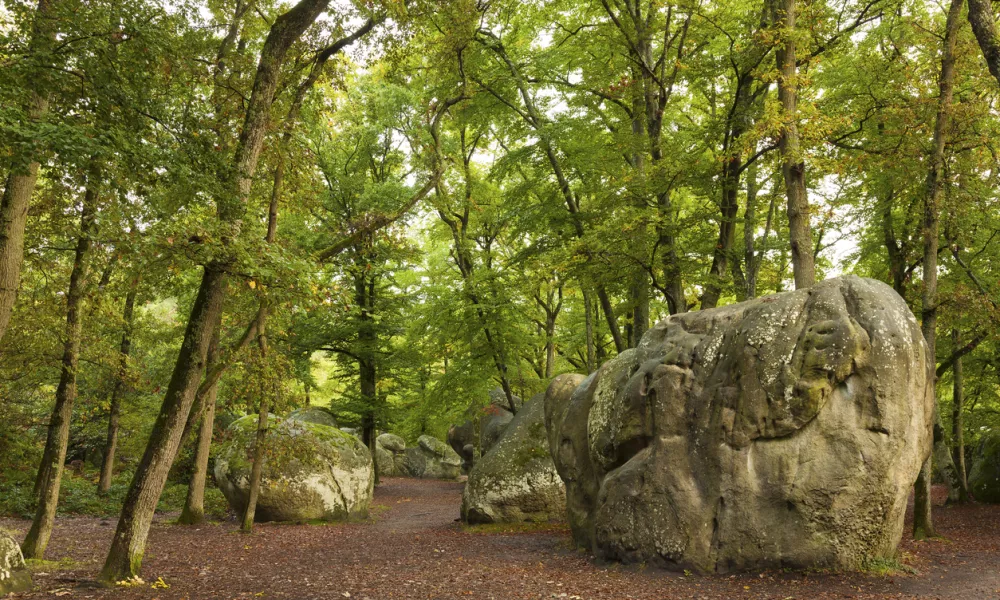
415,549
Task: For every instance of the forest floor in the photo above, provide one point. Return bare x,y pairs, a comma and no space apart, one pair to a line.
414,548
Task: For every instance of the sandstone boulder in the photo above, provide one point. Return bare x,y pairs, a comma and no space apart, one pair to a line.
14,575
984,476
482,428
389,451
431,459
312,471
516,480
314,414
783,431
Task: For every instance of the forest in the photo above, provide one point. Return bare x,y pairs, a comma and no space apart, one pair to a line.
221,219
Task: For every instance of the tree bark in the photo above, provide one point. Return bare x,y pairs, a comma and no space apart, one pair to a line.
54,457
588,315
118,393
957,426
984,27
923,525
23,175
193,512
793,168
260,439
124,559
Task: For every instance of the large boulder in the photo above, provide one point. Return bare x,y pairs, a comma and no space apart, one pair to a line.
431,459
785,431
389,451
312,471
984,476
314,414
14,575
482,428
516,480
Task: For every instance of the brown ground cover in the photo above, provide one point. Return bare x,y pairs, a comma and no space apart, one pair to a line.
414,548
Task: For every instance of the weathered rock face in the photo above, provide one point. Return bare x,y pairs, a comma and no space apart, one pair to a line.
314,414
984,476
431,459
784,431
389,450
516,480
312,471
482,429
14,575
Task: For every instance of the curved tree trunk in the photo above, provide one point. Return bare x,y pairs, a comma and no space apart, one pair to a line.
54,457
124,559
957,424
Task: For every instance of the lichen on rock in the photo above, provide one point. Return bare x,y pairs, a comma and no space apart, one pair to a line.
311,471
14,574
783,431
984,476
431,459
516,480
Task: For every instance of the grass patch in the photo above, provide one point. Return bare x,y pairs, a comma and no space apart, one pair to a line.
39,565
885,567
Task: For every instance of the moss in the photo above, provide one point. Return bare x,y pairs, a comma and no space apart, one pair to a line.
522,527
37,565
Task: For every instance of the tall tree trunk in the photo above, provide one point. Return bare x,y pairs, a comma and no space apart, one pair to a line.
124,559
193,512
923,525
20,183
793,167
588,315
54,457
727,229
118,393
957,425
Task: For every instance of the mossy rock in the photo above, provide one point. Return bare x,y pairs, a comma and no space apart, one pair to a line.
431,459
516,481
984,477
14,574
311,471
314,414
391,442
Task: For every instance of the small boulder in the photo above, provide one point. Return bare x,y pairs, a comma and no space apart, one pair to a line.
482,428
314,414
312,471
984,477
14,574
391,442
431,459
516,480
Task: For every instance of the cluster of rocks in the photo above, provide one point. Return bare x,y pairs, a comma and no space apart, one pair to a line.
785,431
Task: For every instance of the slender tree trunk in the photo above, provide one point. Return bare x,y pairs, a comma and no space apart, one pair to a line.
957,426
125,555
793,167
23,174
193,512
260,441
727,230
923,525
118,393
54,457
588,315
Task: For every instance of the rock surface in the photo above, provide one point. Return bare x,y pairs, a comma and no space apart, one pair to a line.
312,471
314,414
14,575
784,431
516,480
482,428
389,450
984,476
431,459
